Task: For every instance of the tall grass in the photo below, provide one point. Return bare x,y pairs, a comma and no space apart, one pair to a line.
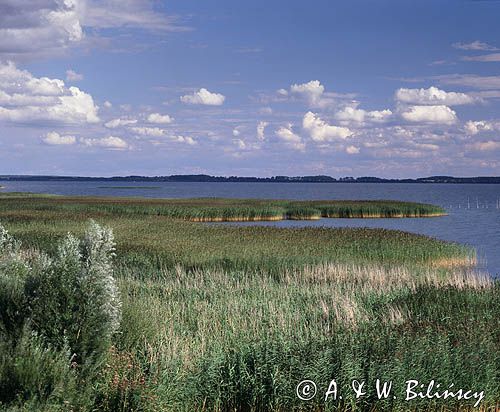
229,341
149,239
216,210
218,318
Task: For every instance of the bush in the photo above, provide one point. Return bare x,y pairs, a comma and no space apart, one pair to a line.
57,315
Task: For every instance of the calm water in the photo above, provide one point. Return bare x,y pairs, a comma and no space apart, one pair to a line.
474,217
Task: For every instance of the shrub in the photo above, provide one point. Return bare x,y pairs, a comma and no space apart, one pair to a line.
76,300
57,315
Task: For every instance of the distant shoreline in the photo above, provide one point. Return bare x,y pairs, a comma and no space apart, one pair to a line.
251,179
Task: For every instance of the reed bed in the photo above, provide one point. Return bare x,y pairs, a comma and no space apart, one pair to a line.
220,210
160,240
223,318
234,341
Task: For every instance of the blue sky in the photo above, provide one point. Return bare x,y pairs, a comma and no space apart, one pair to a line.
384,88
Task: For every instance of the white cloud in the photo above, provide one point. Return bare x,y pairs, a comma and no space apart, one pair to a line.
475,45
240,143
321,131
110,142
261,127
113,124
47,27
475,127
37,27
487,146
108,104
72,76
236,132
204,97
184,139
352,150
54,138
287,135
149,131
433,96
159,118
430,114
351,114
28,99
312,91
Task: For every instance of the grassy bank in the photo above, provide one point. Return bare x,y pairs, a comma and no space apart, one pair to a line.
218,318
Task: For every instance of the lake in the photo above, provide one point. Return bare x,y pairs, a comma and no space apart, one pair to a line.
473,209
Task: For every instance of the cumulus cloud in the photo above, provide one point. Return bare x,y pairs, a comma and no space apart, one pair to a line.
184,139
352,150
108,104
430,114
159,118
353,115
149,131
55,139
287,135
34,27
45,27
113,124
261,127
72,76
312,91
314,94
475,45
321,131
110,142
204,97
236,132
433,96
475,127
28,99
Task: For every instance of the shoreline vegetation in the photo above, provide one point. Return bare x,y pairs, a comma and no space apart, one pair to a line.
229,318
253,179
235,210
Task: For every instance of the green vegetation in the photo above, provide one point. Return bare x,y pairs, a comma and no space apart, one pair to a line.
148,238
226,318
217,209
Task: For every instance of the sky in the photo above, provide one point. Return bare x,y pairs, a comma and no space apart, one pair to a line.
382,88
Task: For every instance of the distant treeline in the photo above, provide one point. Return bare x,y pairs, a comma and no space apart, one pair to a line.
274,179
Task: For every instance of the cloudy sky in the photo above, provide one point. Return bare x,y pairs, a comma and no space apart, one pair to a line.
375,87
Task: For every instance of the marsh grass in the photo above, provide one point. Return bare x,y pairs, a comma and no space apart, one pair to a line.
223,318
241,341
218,209
151,234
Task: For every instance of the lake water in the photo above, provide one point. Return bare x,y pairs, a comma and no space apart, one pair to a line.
473,210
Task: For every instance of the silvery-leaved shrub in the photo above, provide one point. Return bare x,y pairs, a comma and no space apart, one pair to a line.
76,301
70,300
